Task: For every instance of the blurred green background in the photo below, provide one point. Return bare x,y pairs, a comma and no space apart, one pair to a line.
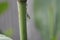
9,18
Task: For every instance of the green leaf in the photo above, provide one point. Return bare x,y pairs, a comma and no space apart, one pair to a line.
3,7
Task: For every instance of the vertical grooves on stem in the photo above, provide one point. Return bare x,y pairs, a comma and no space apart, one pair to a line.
22,19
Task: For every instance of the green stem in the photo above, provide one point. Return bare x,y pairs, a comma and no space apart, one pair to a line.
22,19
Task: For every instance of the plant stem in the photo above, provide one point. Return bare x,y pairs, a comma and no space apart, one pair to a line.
22,19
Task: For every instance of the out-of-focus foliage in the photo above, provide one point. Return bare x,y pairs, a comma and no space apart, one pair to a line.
9,32
47,18
3,7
